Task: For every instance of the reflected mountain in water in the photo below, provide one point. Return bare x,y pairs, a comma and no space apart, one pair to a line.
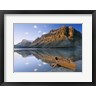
60,59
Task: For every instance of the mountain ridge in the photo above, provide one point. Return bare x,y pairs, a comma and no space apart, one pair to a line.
61,37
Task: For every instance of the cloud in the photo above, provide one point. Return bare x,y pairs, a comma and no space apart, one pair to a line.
44,33
44,63
26,63
35,69
26,33
35,26
39,31
39,65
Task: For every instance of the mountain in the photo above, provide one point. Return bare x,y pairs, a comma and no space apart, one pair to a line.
61,37
23,44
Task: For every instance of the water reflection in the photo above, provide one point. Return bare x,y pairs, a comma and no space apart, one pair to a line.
48,60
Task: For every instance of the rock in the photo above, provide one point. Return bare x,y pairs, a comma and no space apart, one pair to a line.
71,33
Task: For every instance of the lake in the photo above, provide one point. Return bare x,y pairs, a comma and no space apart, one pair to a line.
48,60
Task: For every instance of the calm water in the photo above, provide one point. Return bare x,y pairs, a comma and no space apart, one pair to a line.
48,60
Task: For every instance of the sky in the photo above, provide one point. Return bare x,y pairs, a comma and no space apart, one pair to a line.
30,31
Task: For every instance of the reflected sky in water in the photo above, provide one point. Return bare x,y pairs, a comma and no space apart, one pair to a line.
48,60
29,64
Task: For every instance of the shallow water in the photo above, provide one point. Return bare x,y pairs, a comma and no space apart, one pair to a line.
48,60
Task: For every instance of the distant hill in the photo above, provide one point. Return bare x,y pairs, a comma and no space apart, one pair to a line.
23,44
61,37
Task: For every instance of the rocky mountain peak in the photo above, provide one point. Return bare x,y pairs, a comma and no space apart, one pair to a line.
56,36
65,36
24,40
23,43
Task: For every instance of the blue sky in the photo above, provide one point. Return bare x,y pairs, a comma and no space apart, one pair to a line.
32,31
